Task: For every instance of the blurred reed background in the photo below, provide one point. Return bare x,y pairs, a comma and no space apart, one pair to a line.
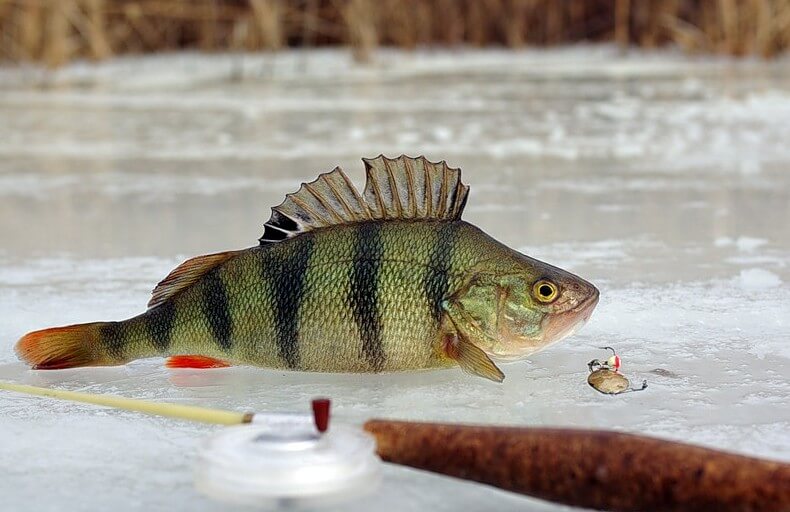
57,31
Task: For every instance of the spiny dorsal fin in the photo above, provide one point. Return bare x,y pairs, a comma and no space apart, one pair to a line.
413,188
186,274
330,199
396,188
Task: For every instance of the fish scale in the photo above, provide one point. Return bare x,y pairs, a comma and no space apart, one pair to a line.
365,293
390,279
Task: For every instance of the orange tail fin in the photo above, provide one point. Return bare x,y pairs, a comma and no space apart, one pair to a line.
63,347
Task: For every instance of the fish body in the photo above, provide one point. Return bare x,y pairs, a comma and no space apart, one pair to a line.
354,298
394,280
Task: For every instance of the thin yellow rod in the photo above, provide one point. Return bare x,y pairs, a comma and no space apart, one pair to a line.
183,412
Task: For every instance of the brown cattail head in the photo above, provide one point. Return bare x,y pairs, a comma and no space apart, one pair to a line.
594,469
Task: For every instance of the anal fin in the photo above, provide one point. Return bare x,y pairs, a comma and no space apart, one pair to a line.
190,361
471,358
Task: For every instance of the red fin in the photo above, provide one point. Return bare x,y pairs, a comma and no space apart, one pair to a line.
63,347
186,274
195,362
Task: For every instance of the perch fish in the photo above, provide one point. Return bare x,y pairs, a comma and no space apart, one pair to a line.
387,280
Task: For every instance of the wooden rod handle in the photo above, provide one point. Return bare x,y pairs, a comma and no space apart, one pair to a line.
586,468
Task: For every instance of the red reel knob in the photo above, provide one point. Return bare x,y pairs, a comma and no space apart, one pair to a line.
321,413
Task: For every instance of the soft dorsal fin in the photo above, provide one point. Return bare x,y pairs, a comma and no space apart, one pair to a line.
395,188
186,274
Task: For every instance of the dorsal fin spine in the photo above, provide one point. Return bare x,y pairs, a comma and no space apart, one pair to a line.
357,196
443,190
456,201
295,198
428,188
277,228
340,199
412,200
461,201
321,200
379,198
393,187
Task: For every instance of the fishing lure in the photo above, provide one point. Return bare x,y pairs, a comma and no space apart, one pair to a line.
390,279
606,378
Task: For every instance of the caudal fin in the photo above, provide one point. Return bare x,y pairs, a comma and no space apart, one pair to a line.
63,347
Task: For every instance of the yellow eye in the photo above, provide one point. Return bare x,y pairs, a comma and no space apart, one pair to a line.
545,291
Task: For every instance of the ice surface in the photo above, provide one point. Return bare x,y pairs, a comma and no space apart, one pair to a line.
662,179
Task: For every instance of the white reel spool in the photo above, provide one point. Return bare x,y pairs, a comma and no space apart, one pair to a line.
281,460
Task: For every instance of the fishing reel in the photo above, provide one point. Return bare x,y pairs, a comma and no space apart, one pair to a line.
289,460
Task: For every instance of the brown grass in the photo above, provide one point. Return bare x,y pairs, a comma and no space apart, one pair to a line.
57,31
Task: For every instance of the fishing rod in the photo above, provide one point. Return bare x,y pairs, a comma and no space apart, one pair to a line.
296,457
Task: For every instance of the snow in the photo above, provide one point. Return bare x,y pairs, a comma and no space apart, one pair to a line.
661,178
743,243
757,279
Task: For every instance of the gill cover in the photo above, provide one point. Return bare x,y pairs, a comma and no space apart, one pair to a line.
499,313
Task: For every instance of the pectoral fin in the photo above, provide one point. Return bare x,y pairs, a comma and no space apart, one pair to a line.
471,358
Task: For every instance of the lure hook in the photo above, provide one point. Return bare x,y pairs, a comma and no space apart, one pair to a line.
606,378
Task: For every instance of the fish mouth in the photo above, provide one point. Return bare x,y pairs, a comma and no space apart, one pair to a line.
567,323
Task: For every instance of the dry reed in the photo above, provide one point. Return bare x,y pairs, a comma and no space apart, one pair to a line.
57,31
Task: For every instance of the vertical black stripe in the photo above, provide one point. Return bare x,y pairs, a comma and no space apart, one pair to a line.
216,309
159,325
288,274
437,276
363,291
112,335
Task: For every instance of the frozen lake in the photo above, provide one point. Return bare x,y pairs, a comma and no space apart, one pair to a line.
662,179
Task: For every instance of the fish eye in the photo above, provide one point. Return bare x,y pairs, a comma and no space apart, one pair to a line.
545,291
